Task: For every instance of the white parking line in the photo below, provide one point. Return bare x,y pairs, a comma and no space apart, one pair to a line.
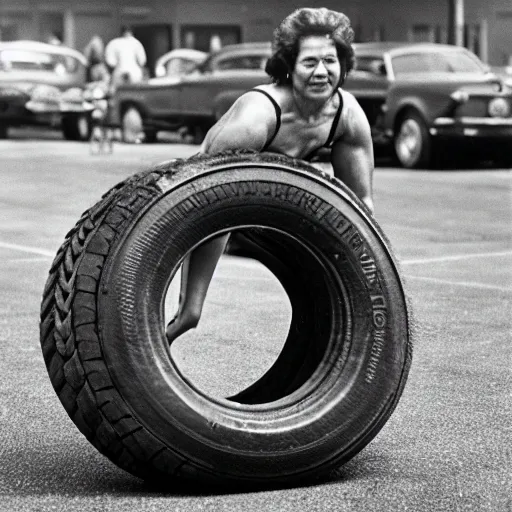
29,260
467,284
26,248
455,257
248,263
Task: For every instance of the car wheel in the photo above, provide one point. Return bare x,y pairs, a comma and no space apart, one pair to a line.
83,125
199,132
150,136
503,155
76,127
132,126
342,368
412,142
4,131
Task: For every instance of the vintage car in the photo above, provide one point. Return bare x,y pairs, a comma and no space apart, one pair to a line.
414,95
418,96
179,62
40,84
195,100
505,73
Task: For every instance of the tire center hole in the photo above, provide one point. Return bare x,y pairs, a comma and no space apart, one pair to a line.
243,327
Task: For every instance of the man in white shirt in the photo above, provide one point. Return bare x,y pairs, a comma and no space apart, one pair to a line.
126,57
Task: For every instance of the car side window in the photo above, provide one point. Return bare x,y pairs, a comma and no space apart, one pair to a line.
240,62
179,66
26,60
374,65
419,63
38,61
461,62
435,62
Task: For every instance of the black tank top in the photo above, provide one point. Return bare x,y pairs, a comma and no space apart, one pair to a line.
277,108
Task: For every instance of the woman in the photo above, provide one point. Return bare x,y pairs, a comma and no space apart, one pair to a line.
302,110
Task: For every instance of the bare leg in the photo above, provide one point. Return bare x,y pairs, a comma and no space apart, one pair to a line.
197,273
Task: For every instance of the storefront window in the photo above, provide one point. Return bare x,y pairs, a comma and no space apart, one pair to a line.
208,38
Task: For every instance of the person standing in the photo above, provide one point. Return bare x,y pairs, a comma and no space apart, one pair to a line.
126,56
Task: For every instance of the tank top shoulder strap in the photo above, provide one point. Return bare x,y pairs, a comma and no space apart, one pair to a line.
335,121
278,116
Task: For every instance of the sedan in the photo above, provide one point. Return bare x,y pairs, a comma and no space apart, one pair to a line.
420,95
39,85
192,101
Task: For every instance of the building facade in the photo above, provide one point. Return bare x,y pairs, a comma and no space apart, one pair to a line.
162,25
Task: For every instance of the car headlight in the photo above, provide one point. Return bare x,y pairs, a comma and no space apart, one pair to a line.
98,93
94,93
499,107
460,96
87,95
45,93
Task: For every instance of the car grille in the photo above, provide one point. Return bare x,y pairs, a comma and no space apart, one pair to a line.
480,107
474,107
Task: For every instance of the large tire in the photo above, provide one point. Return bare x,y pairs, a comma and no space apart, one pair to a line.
76,127
343,365
412,142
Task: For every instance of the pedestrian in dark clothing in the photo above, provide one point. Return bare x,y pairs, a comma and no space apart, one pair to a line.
97,70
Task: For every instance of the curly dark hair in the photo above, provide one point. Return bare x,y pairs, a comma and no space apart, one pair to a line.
309,22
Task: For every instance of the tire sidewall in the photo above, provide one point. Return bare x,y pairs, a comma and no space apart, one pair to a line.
349,404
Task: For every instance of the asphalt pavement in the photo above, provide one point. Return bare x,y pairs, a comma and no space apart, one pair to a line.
447,447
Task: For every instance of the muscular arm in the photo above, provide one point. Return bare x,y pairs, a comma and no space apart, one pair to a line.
245,125
352,155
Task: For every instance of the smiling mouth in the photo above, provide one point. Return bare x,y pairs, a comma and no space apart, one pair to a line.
319,85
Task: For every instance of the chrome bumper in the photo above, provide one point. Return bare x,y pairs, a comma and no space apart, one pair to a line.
472,126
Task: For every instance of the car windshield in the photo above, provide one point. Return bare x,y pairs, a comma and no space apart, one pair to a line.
179,67
368,64
24,60
435,62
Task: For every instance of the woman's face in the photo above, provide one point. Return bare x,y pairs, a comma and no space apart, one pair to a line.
317,70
